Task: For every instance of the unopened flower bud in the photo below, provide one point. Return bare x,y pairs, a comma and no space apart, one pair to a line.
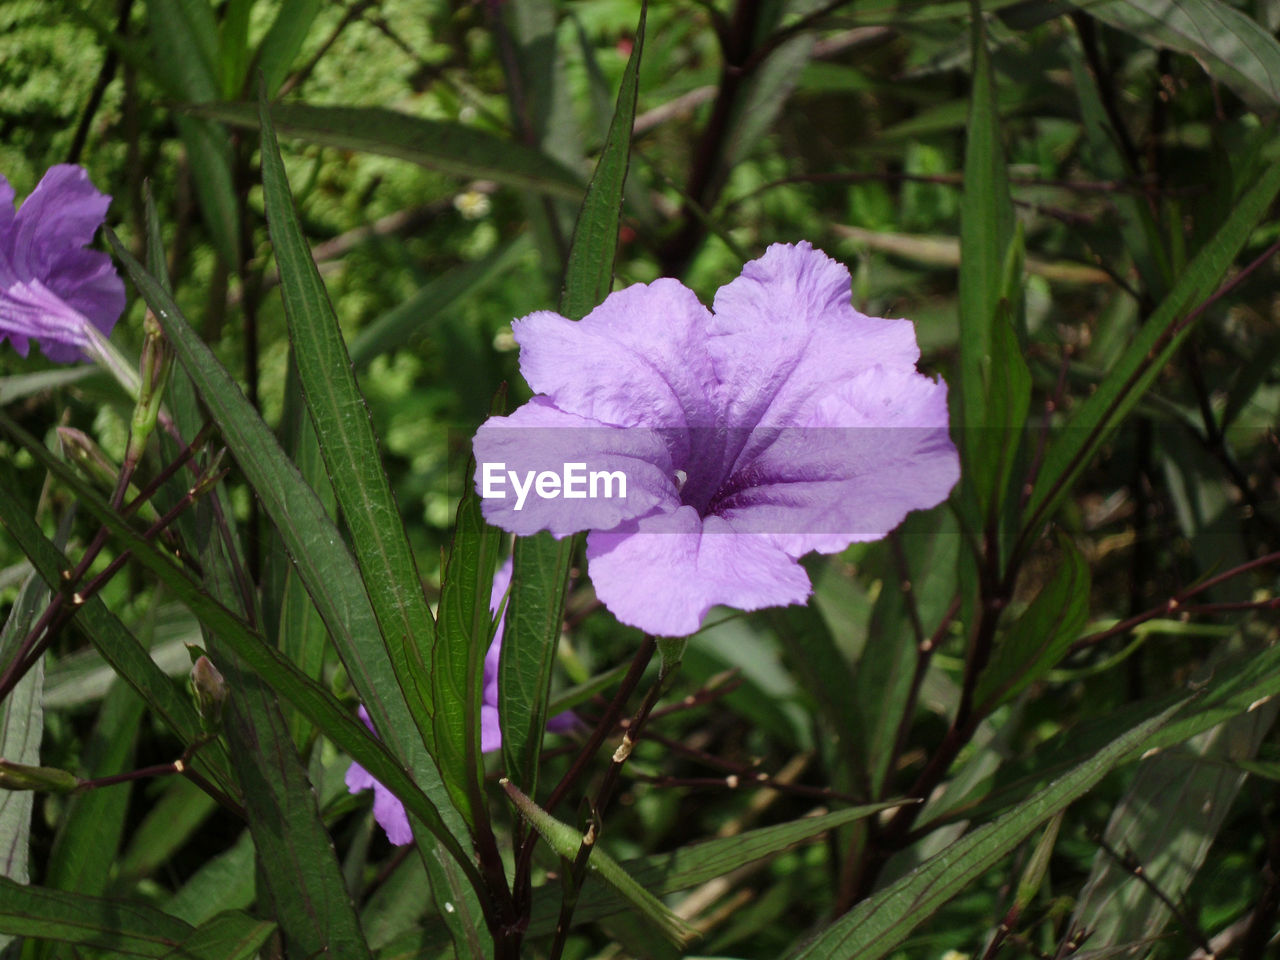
80,449
210,690
21,776
157,359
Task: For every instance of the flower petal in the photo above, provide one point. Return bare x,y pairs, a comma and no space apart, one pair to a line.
663,573
358,778
490,728
389,812
50,286
539,438
63,212
784,335
875,450
647,347
87,282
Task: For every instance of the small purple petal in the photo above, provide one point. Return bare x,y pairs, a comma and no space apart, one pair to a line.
490,728
387,809
358,778
389,812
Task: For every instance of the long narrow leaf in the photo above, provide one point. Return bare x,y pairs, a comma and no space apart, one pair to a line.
1161,335
449,147
314,700
349,446
874,927
316,545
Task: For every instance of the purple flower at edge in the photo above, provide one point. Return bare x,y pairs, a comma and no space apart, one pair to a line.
781,422
51,287
388,811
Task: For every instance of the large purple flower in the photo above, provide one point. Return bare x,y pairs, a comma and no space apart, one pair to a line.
389,811
782,422
52,289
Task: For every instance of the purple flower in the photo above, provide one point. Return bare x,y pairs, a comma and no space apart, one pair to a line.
780,423
52,289
387,810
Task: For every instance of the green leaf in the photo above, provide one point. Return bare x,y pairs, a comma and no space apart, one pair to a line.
765,95
1160,336
118,646
25,384
567,842
1225,41
986,231
183,51
448,147
284,40
462,635
223,882
878,924
233,46
323,561
1138,229
920,11
589,273
228,936
339,724
21,727
183,60
539,580
84,849
133,929
350,447
690,866
823,671
1041,636
1168,819
1239,684
423,312
181,811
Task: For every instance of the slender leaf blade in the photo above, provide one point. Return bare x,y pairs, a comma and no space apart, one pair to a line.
589,274
875,926
1227,42
349,445
319,553
1160,336
133,929
448,147
457,658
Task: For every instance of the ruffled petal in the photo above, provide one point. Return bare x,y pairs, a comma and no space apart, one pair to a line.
63,212
538,439
644,351
51,288
876,449
784,335
663,573
87,282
